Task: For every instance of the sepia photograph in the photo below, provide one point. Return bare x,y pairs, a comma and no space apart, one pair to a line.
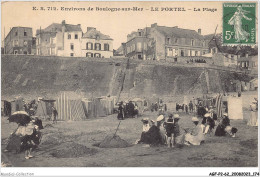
129,84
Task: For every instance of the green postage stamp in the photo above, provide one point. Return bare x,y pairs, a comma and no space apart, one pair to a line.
239,24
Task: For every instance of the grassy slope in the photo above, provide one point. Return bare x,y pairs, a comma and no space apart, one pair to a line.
46,76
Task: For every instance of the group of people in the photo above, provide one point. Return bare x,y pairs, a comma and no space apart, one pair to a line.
197,61
26,137
161,107
127,110
169,132
188,108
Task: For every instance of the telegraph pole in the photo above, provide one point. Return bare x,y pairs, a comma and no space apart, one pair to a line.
4,41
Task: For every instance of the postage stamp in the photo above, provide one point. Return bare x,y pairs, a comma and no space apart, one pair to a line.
239,24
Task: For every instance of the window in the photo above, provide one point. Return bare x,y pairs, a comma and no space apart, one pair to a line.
168,40
196,53
25,43
182,53
71,54
89,46
192,42
97,46
176,40
72,46
16,52
89,54
25,52
25,33
140,33
69,36
38,51
139,46
97,55
16,33
16,43
76,36
106,47
140,57
203,43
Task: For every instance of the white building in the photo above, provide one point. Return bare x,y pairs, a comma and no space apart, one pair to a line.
96,44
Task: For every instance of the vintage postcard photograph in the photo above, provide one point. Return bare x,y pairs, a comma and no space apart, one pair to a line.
129,84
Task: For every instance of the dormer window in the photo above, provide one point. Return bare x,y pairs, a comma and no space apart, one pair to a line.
97,37
203,43
192,42
168,40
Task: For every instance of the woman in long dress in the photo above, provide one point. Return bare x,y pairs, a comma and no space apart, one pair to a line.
253,120
196,136
236,20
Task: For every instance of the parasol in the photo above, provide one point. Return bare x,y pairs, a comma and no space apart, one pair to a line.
20,117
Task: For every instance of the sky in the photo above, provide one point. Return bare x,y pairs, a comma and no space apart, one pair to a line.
115,24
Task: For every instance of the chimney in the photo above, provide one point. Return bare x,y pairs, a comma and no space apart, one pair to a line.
90,28
154,25
199,31
63,22
246,55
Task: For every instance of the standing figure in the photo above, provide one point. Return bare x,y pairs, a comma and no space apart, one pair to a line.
169,127
156,107
253,120
236,20
186,109
191,106
55,114
152,107
120,115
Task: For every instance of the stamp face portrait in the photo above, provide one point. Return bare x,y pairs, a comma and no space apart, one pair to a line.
239,23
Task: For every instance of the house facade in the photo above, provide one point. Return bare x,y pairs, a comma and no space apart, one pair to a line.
59,40
69,41
19,41
160,43
95,44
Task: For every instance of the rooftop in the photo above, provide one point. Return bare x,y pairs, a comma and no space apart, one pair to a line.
94,34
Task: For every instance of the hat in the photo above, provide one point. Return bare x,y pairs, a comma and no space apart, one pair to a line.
207,115
160,118
176,116
145,120
170,115
195,119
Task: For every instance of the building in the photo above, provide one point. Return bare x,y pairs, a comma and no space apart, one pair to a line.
160,43
95,44
18,41
225,59
248,62
69,41
59,40
121,51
